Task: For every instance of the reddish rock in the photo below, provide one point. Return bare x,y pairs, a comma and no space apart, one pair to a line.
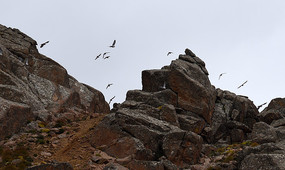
35,81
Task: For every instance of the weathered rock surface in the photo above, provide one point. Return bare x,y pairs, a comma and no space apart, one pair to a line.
32,86
52,166
233,118
274,111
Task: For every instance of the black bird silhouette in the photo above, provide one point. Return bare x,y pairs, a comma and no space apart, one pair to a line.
111,99
258,107
221,75
106,57
169,53
105,54
43,44
242,84
109,85
113,45
97,56
189,52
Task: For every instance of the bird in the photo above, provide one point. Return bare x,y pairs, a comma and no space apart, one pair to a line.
97,56
105,54
43,44
109,85
111,100
113,45
242,84
106,57
169,53
258,107
221,75
189,52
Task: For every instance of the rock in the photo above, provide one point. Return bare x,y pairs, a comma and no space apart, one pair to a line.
278,123
274,111
114,166
13,116
36,87
52,166
231,112
45,154
99,160
263,133
263,161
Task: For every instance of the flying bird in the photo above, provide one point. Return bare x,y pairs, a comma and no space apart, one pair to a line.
221,75
106,57
242,84
258,107
109,85
169,53
105,54
189,52
43,44
111,99
113,45
97,56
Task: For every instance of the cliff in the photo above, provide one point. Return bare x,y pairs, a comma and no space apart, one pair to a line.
178,119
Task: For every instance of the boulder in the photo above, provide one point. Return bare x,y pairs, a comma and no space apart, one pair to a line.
274,111
36,87
263,133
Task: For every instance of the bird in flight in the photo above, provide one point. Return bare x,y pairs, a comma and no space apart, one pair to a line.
169,53
111,99
221,75
97,56
113,45
109,85
106,57
258,107
43,44
242,84
105,54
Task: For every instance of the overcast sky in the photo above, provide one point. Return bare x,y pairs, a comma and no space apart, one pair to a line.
244,38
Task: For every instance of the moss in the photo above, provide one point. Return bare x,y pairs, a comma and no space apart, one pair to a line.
45,130
254,144
20,152
41,125
159,107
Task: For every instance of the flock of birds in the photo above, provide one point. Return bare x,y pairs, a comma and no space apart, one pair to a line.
105,56
187,52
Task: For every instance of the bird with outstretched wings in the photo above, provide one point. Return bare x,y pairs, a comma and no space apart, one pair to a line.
97,56
258,107
43,44
109,85
221,75
113,45
111,99
169,53
242,84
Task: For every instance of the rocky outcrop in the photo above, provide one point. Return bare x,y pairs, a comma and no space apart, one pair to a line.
274,111
52,166
233,118
33,86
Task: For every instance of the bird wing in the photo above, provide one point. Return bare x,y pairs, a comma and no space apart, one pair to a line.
114,43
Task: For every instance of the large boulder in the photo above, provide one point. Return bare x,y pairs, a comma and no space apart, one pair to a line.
233,118
33,86
274,111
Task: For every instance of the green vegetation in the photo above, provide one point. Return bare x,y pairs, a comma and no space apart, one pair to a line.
8,155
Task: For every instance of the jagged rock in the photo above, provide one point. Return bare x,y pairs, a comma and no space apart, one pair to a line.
263,133
114,166
274,111
232,114
278,123
263,161
38,84
13,116
52,166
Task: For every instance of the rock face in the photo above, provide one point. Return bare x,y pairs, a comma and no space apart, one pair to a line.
33,86
163,121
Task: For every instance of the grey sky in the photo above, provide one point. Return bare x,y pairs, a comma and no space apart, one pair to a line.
244,38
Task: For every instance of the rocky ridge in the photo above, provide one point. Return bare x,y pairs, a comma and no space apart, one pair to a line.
179,120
